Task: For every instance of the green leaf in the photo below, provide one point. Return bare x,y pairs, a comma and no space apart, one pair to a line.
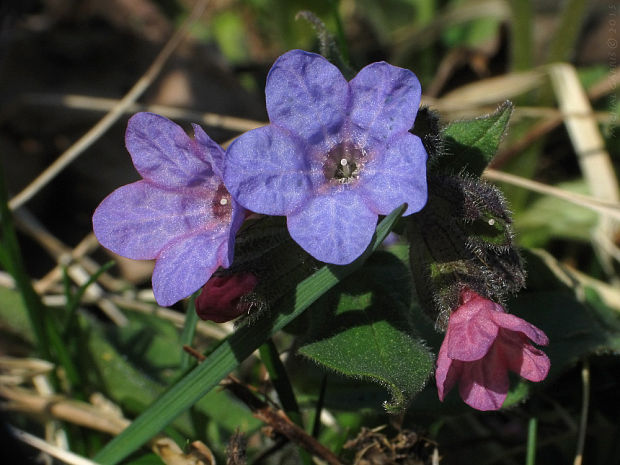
14,316
570,308
478,34
131,362
471,144
571,326
146,343
365,330
147,459
231,352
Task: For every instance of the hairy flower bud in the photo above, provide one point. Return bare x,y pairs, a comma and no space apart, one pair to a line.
463,238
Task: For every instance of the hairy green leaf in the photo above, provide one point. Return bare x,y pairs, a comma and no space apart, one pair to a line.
471,144
363,329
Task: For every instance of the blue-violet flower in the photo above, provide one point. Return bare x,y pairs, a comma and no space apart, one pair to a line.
180,213
336,155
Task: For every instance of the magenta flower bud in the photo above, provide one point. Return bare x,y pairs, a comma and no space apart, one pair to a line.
481,345
220,299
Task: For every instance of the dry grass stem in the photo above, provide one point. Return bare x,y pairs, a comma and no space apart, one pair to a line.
589,146
85,102
15,371
213,331
113,115
552,121
278,421
491,91
79,254
64,255
61,408
47,448
605,208
578,281
97,418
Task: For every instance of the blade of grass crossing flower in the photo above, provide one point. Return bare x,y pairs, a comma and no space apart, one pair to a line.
230,352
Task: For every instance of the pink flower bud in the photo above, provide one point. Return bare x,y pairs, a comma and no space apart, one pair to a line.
220,299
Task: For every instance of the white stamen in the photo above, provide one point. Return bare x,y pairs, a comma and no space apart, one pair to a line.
223,201
344,162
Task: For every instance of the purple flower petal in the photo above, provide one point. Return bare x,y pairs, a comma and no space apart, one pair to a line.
266,171
139,219
210,150
164,154
384,100
186,264
484,383
514,323
396,175
335,227
308,95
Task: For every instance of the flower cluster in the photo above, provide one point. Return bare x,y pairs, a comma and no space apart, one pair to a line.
335,155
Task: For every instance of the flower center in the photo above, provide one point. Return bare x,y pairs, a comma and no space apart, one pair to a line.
221,202
344,163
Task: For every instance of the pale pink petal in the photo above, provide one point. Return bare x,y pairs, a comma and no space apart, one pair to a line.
521,357
447,372
484,383
514,323
535,364
470,331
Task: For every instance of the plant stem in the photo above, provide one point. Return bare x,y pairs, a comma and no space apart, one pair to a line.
531,441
